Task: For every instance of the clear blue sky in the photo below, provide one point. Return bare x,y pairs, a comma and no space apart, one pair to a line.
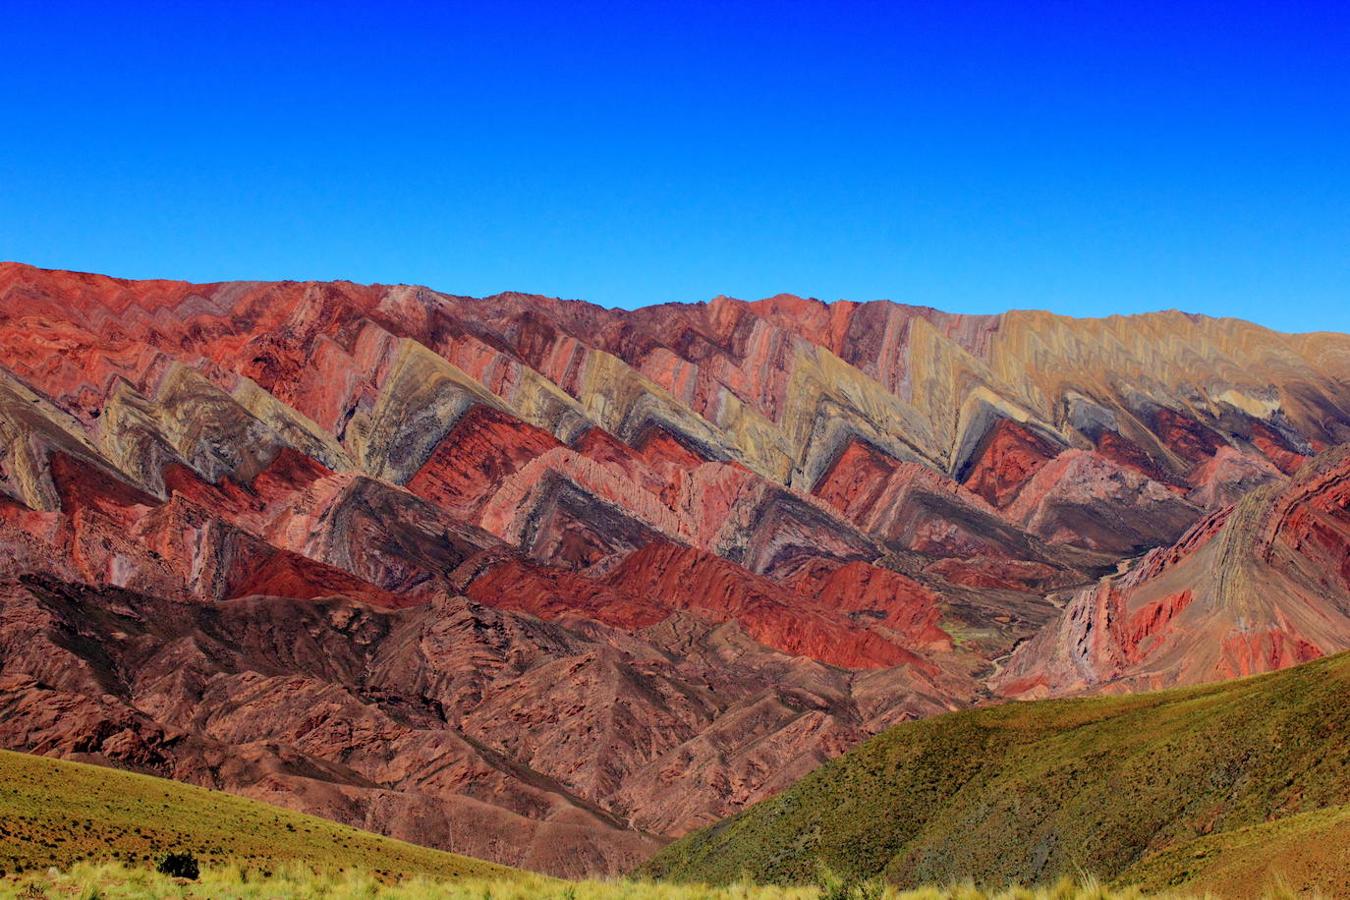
1082,157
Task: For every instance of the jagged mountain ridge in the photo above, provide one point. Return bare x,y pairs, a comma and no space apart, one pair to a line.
728,539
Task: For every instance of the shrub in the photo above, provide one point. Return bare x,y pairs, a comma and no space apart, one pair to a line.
179,865
837,886
870,889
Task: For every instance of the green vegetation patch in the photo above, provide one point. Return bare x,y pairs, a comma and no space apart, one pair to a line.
1025,793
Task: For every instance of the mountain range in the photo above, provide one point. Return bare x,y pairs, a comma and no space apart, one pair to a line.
552,584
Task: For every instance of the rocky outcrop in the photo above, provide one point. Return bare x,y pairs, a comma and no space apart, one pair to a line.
1087,500
1005,460
1259,586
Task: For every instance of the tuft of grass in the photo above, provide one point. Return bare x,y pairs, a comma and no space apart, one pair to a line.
1023,793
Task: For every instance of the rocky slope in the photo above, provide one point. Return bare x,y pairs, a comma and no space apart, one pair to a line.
552,584
1257,586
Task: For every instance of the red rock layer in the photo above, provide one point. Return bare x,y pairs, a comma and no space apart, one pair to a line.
1007,457
1251,588
472,460
685,578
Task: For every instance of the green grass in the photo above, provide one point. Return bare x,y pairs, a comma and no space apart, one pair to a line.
1025,793
56,813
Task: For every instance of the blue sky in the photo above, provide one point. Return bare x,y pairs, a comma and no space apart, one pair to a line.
1081,157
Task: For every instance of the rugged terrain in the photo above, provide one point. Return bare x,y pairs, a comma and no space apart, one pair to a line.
1252,587
552,584
72,830
1224,785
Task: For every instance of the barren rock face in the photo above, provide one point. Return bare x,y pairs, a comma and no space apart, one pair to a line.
1257,586
550,584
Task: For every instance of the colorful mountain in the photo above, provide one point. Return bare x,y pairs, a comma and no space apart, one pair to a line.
1252,587
552,584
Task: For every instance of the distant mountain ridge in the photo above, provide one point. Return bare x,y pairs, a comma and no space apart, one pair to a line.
552,584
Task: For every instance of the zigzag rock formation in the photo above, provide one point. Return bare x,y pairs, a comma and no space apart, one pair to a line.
551,584
1256,586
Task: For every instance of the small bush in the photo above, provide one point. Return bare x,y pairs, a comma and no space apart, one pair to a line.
870,889
179,865
835,885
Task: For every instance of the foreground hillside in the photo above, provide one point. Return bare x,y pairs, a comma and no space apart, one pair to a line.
56,814
1154,787
1308,853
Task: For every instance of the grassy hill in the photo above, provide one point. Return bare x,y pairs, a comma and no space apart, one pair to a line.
1026,792
56,813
